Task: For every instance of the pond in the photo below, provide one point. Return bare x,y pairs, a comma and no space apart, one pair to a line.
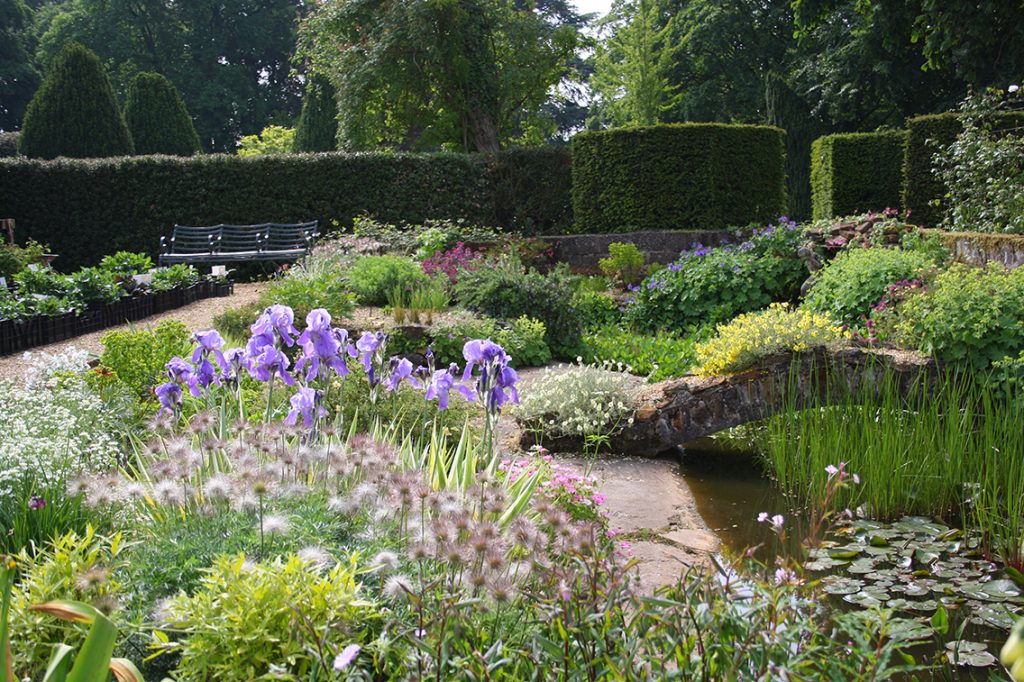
911,565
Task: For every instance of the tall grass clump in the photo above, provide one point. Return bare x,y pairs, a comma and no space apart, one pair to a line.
945,446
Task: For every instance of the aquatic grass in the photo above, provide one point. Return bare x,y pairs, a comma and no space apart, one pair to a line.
944,446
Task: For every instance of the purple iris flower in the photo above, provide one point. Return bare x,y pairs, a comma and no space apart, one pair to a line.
322,345
277,318
399,371
204,375
169,395
210,342
368,344
180,371
268,363
235,359
496,383
441,384
307,404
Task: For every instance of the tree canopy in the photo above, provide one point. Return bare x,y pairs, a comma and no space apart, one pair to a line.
157,118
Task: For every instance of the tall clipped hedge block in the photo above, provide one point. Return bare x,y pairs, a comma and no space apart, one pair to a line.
86,209
855,173
532,188
317,128
677,177
74,112
923,192
157,118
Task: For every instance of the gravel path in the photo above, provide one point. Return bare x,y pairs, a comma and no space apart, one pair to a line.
198,315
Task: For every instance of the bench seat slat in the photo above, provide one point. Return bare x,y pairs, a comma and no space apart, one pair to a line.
230,243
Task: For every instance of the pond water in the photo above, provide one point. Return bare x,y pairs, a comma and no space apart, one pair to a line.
730,488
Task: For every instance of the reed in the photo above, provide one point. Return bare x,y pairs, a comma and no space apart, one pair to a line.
949,447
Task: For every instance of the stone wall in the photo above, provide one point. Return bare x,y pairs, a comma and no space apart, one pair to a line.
583,251
979,248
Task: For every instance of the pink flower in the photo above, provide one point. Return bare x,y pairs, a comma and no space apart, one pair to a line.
345,658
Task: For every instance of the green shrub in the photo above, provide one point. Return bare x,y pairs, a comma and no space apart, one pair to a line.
303,290
677,177
74,112
86,209
968,315
923,190
272,140
95,285
712,285
138,357
157,117
124,264
241,603
524,341
14,258
43,281
174,277
857,279
655,356
596,310
317,128
625,263
373,278
853,173
9,144
447,340
234,323
508,291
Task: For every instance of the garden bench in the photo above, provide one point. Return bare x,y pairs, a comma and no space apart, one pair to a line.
232,243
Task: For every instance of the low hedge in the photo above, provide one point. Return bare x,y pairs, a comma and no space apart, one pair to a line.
9,144
922,190
87,208
854,173
678,176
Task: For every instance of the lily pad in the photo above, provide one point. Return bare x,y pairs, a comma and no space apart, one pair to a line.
841,585
967,653
863,599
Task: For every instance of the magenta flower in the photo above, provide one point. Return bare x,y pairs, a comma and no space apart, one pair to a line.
35,503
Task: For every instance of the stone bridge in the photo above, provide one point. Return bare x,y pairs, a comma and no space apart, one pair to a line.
677,411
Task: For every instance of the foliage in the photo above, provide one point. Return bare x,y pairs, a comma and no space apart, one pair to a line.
710,285
157,118
234,323
897,432
373,278
632,67
532,189
597,310
305,287
317,127
852,173
124,264
453,261
9,144
138,357
629,179
968,315
78,567
524,341
86,209
240,602
174,277
14,258
857,278
468,75
74,112
982,169
21,78
273,139
753,336
425,239
657,357
584,401
232,64
508,291
95,285
625,263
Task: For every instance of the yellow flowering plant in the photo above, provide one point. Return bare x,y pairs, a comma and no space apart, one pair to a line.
751,336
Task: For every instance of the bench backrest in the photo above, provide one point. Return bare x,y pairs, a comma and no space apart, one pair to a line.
189,239
240,238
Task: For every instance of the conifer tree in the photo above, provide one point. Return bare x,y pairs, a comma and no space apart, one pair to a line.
74,113
157,117
317,129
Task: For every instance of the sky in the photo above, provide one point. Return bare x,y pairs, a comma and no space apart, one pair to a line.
586,6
